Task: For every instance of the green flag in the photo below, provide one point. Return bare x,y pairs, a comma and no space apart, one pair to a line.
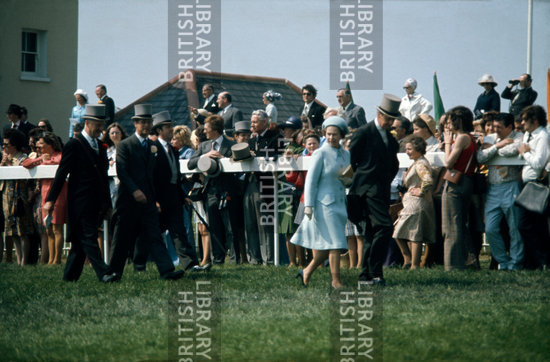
438,103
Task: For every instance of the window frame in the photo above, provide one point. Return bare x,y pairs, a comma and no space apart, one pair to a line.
41,56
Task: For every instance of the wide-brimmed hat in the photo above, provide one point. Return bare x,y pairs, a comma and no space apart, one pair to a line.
487,78
242,127
430,122
95,112
143,111
390,105
240,152
209,166
81,92
161,118
337,122
292,122
201,112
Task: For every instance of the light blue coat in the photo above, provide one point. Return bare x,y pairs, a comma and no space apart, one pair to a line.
327,195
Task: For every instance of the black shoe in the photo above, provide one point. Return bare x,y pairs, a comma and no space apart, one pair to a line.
139,267
301,276
173,275
110,278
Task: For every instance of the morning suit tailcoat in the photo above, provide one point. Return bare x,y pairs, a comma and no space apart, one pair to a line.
87,199
135,167
171,198
258,201
375,165
230,117
109,110
520,98
211,106
217,188
315,114
355,116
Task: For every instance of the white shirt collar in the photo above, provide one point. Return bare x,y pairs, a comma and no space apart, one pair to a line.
141,139
218,141
88,138
163,143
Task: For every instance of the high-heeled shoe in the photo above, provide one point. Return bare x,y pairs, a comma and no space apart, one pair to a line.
301,276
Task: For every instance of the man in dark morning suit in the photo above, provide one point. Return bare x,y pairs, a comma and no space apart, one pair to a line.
258,196
522,97
228,112
101,93
210,104
168,191
136,213
85,161
373,154
352,113
14,114
311,113
219,185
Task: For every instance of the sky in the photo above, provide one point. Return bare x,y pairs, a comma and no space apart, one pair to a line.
124,44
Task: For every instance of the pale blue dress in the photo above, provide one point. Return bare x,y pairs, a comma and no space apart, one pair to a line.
326,193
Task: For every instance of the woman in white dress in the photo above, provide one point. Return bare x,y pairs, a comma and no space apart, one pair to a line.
323,228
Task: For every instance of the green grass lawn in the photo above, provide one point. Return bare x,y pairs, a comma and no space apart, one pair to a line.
262,313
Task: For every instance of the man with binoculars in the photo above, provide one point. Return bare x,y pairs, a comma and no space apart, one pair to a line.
520,97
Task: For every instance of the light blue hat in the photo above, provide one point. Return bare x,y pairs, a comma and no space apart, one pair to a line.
337,122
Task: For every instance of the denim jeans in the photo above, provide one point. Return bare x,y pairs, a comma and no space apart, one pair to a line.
500,203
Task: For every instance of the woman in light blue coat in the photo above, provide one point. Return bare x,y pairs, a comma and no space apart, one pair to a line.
323,228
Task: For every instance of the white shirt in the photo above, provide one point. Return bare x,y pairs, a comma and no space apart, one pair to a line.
217,143
537,158
141,139
382,131
414,106
501,174
308,105
206,101
91,141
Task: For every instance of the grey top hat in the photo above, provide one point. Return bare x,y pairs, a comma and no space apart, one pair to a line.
390,105
161,118
95,112
241,152
209,166
242,126
143,111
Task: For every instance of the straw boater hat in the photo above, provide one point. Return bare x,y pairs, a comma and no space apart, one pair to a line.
161,118
143,111
429,122
95,112
209,166
487,78
240,152
390,105
242,127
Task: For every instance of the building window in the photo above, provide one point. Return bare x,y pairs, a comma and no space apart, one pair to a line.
34,55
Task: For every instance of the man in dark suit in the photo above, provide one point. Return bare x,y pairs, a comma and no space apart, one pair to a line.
519,97
209,105
219,185
85,161
373,154
136,213
168,191
101,93
258,196
14,114
228,112
352,113
312,112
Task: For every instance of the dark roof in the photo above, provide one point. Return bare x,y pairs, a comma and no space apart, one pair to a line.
176,94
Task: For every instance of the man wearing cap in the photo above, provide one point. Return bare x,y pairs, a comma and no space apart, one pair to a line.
312,112
210,105
519,97
373,152
219,186
85,161
413,104
136,213
168,191
101,93
353,114
228,112
489,100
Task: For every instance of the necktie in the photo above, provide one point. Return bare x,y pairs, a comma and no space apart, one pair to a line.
94,145
144,145
306,110
529,138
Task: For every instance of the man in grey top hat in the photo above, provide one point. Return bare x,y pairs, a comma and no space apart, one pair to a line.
373,152
136,213
85,161
168,191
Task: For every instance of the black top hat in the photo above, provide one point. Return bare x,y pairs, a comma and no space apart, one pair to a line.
390,105
95,112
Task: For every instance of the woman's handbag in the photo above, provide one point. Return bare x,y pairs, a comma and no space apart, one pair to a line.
455,176
534,197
